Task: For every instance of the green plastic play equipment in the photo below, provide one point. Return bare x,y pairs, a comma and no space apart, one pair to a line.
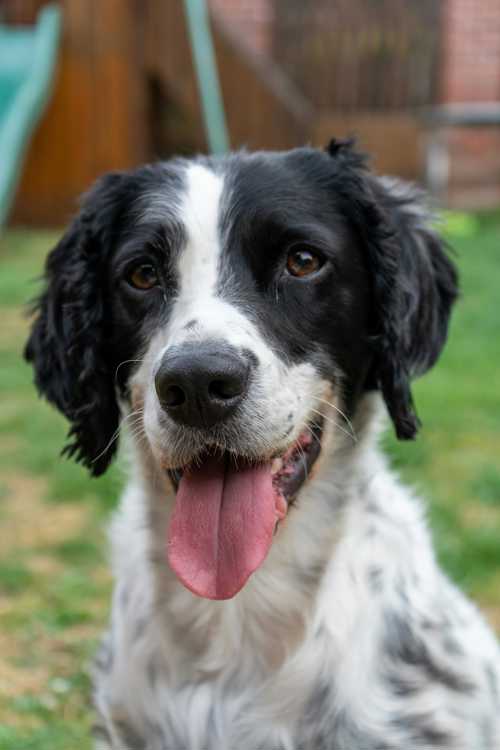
200,36
27,62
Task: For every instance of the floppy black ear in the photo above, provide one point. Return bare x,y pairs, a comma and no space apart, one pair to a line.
67,345
414,281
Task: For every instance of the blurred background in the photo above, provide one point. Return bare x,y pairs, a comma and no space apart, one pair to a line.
88,86
417,82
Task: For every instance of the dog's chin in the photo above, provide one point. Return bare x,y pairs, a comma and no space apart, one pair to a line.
228,508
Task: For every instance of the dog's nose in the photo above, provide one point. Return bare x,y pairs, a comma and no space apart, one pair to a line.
201,385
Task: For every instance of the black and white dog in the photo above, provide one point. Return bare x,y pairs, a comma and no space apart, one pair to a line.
247,317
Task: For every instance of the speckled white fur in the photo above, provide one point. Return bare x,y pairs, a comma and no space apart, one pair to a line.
183,672
347,638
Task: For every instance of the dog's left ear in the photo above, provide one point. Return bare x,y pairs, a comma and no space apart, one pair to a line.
414,281
67,345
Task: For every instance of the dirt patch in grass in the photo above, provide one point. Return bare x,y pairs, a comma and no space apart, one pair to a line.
29,522
49,626
34,653
489,601
475,515
16,680
9,444
492,614
14,329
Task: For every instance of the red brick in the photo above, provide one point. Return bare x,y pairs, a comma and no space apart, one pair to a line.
252,19
471,51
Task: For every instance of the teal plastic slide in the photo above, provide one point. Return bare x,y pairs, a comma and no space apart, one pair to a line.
202,48
27,62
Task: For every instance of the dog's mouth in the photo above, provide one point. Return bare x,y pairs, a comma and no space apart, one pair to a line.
227,510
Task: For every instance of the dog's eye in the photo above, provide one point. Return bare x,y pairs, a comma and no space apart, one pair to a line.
144,276
303,262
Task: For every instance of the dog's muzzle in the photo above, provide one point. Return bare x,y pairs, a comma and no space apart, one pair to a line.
228,504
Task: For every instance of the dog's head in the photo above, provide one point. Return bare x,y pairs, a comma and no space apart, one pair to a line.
237,309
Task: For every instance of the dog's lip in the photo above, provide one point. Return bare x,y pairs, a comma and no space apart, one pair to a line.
290,467
298,460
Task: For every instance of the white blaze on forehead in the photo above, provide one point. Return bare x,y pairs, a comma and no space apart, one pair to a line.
199,272
199,296
199,260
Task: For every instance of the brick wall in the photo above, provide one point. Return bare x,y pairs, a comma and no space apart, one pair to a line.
471,51
471,73
470,43
252,19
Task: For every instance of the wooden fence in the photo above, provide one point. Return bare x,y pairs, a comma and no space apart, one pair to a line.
126,93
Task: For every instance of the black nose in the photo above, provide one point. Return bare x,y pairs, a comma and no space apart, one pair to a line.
201,384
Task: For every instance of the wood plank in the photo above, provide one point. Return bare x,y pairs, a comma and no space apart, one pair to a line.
96,119
393,140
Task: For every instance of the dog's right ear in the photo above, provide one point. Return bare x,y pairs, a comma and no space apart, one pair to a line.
67,342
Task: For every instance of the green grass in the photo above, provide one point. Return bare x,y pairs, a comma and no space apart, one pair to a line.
15,576
54,581
54,584
455,461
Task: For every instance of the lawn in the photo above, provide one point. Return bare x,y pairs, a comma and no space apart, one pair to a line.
54,581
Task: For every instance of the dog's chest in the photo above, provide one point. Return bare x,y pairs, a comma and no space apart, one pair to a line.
208,684
234,707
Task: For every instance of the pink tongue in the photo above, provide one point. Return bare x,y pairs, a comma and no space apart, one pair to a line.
222,526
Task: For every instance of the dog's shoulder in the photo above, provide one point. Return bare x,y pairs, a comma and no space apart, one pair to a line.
412,662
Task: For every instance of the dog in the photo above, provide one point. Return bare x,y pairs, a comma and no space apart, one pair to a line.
251,319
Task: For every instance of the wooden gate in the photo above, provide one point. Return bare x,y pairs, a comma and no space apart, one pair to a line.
367,66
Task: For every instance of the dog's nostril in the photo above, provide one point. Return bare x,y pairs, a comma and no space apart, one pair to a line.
226,389
173,396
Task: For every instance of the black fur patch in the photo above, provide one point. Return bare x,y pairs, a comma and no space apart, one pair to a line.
81,335
404,645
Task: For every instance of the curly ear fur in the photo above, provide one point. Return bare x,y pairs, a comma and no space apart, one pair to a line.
414,282
67,345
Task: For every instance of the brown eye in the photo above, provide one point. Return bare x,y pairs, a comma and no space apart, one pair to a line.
302,262
143,277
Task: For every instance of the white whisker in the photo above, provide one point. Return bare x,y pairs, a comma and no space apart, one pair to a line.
116,433
351,435
342,414
126,362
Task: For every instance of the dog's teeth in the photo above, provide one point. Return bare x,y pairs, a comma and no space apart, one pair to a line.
276,465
